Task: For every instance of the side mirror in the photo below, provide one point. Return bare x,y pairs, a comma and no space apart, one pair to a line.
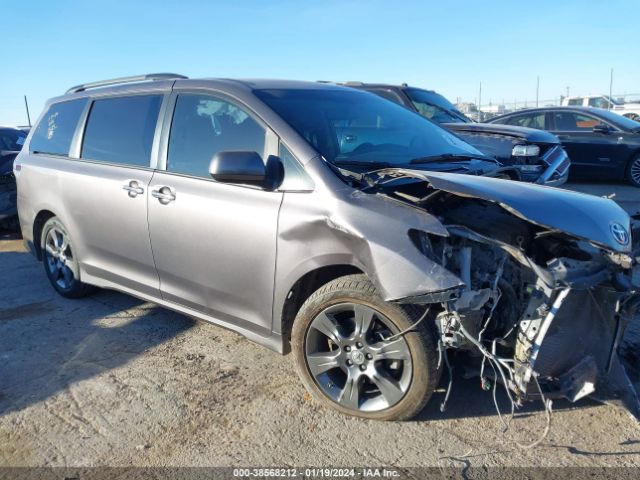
247,168
602,128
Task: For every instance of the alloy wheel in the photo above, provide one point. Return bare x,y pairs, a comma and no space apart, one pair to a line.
353,358
634,170
59,258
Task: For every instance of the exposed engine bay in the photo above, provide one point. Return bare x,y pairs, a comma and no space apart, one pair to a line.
542,311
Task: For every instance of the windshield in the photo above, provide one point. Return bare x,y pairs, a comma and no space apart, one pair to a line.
348,126
435,107
12,139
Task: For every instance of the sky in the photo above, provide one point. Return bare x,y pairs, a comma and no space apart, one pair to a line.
448,46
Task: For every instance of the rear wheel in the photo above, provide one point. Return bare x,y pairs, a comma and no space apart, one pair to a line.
348,357
633,171
60,262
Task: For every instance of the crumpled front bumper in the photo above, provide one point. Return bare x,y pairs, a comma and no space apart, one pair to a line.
584,358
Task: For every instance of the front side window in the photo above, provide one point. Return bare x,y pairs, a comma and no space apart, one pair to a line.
574,122
531,120
204,125
348,126
55,131
120,130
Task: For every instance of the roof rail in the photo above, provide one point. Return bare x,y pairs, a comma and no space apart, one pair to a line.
135,78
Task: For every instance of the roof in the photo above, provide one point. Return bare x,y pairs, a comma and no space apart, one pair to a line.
575,108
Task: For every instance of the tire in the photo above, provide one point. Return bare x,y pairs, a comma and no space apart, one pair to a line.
633,171
393,379
60,262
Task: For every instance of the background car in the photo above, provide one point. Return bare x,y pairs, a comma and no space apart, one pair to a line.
602,145
533,157
11,141
630,110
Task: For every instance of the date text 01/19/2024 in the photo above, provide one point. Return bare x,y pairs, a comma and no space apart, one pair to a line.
315,473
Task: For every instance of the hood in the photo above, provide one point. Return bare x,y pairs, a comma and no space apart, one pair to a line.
529,134
585,216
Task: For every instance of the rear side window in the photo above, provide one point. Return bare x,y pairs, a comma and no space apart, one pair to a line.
575,101
531,120
55,131
120,130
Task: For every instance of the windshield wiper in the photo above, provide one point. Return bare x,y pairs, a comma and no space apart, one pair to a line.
446,156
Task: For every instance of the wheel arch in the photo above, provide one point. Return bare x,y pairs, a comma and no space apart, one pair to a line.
303,288
38,223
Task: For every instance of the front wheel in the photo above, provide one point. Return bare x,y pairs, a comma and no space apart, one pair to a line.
60,262
633,171
349,355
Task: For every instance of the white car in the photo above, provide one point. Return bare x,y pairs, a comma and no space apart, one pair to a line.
629,110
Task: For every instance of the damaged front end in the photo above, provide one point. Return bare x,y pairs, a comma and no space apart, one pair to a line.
548,283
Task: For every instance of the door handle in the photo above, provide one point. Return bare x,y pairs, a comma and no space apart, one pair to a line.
164,194
133,188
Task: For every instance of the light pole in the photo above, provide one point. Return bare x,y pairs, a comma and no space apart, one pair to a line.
480,103
610,89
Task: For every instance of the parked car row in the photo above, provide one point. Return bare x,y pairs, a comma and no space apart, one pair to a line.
602,145
531,155
326,220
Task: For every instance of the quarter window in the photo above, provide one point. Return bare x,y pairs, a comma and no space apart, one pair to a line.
205,125
120,130
55,131
295,178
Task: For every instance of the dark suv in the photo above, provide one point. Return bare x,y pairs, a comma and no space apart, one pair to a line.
533,156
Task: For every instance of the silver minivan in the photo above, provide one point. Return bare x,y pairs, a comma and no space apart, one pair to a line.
329,221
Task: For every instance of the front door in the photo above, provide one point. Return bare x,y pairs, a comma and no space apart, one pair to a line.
214,244
592,154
